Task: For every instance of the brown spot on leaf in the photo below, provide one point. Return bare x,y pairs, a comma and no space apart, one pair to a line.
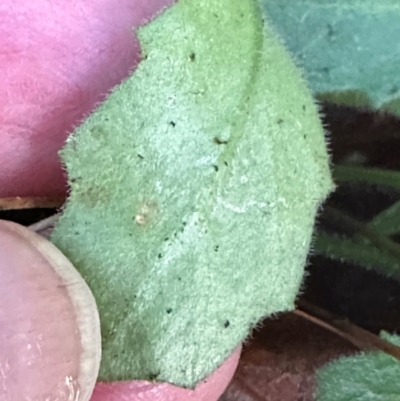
147,213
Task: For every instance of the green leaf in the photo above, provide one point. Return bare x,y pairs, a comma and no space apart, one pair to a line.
194,190
367,377
358,251
347,47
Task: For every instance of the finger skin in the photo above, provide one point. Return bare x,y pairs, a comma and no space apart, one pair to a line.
50,342
42,343
209,390
58,60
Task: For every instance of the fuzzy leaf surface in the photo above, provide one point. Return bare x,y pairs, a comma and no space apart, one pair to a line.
366,377
194,190
350,49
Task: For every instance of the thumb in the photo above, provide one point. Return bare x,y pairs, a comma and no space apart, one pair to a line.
50,341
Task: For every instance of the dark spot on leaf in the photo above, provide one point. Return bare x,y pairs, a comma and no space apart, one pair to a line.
140,157
172,123
304,107
153,376
219,141
192,57
331,30
216,168
280,121
226,164
159,256
166,239
169,310
216,247
99,133
227,324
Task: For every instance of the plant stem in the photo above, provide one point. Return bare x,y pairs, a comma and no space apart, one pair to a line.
361,253
386,178
362,339
380,241
388,221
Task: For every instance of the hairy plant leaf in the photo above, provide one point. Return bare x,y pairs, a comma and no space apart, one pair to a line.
194,189
350,49
358,251
366,377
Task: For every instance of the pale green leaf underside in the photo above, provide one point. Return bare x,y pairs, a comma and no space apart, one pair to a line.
194,189
344,46
366,377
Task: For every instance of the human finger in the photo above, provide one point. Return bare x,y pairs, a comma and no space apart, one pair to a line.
58,60
50,342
